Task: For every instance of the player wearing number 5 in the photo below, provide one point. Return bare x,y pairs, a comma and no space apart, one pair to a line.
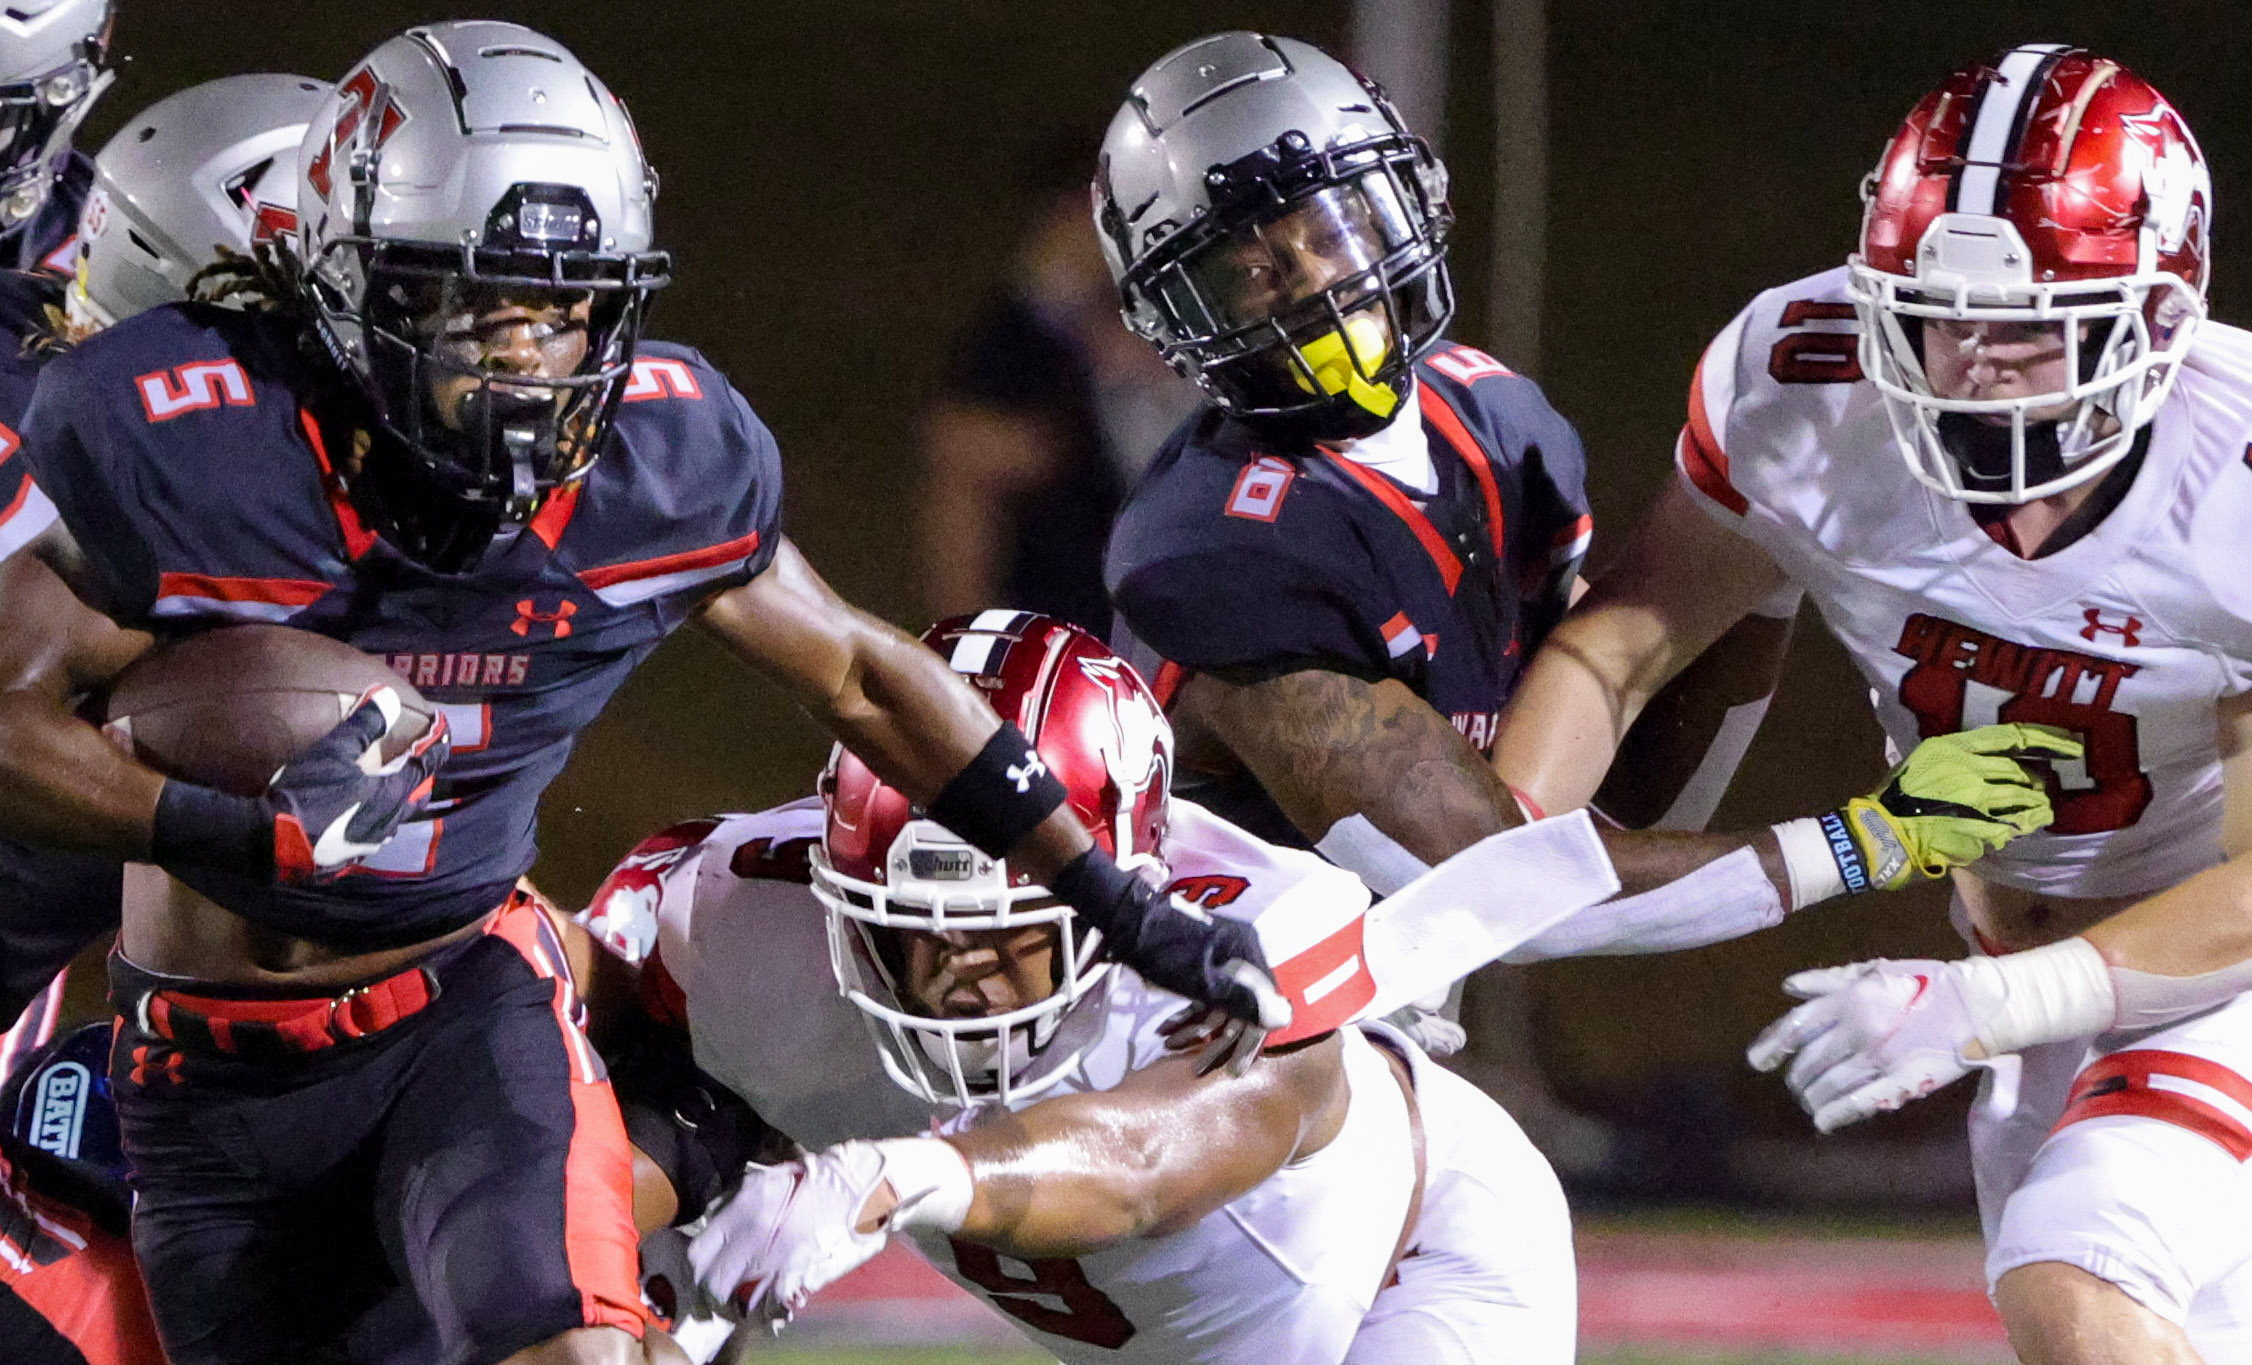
2003,452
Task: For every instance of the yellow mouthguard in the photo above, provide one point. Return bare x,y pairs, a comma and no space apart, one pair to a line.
1335,371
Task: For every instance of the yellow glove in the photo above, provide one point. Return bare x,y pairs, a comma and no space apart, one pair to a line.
1957,798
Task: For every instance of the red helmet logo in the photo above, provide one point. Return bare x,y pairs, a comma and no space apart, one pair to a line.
1090,717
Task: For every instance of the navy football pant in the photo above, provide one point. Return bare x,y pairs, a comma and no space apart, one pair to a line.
446,1191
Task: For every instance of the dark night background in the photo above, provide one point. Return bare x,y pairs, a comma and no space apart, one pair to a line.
843,181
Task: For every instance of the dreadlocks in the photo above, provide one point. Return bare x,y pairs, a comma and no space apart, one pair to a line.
265,281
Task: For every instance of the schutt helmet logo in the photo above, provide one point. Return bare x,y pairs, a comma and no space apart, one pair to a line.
2128,629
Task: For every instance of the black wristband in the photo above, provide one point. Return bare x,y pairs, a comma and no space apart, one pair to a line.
1001,796
201,827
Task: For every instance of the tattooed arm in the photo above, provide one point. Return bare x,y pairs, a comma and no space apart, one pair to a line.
1326,746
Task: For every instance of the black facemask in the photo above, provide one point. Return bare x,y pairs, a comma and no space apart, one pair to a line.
1982,452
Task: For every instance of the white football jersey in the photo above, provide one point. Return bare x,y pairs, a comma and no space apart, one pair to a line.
1283,1275
2128,636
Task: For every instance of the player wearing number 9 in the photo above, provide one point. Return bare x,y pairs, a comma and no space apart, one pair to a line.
1094,1176
2001,448
1118,1200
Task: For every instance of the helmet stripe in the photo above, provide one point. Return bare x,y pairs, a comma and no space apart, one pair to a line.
1997,124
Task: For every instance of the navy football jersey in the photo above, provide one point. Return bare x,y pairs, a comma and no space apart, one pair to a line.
181,451
1248,562
52,904
49,241
24,298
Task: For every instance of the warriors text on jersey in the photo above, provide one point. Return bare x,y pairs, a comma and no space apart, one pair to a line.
2128,636
1287,1274
1248,564
183,451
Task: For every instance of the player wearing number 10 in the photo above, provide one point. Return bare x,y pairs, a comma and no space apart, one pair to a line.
2003,452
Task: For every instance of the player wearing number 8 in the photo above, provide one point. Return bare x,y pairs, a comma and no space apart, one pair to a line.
2002,450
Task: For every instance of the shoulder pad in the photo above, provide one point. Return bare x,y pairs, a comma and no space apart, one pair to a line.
653,885
692,498
1789,358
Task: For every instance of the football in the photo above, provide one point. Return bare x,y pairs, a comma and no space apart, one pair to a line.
228,707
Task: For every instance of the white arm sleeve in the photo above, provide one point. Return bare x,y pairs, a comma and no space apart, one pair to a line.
1727,898
1357,845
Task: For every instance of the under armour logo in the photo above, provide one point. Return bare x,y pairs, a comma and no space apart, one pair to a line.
560,618
2127,630
1031,768
165,1063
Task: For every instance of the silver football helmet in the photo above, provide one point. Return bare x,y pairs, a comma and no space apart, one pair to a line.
54,63
1276,232
470,161
212,167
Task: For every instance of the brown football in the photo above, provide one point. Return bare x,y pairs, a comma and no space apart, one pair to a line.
228,707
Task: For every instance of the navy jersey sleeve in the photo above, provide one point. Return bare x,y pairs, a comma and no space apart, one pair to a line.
1558,525
1248,617
692,502
761,463
92,489
1246,571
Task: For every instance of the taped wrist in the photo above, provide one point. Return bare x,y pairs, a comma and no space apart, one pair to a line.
1821,859
201,827
1726,898
1001,796
2045,995
932,1181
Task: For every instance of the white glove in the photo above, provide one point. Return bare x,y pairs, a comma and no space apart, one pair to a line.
789,1231
1870,1037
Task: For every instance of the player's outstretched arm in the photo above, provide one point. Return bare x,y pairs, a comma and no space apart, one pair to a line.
910,717
1872,1036
1678,586
1327,746
1063,1177
1955,798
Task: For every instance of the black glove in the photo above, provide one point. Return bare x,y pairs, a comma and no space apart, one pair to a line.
1209,959
332,805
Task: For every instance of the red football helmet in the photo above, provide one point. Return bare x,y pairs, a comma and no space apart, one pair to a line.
883,867
2054,188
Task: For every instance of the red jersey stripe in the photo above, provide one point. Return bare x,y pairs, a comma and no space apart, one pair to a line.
1700,452
1434,544
1450,426
358,539
280,592
686,561
2119,1086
